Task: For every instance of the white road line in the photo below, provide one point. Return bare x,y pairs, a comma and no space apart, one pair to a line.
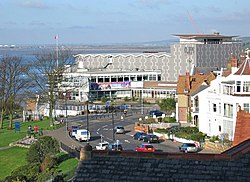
97,133
109,139
98,129
127,141
104,126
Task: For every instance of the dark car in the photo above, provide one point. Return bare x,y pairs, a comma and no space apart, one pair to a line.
115,147
150,138
72,131
139,135
157,113
188,147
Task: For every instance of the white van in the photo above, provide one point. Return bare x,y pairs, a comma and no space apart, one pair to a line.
82,135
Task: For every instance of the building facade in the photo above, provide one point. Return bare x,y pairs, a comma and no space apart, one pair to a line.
219,103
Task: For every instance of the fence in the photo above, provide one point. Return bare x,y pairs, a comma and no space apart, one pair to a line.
73,152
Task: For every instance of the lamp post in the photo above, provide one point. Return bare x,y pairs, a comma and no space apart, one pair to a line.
113,123
66,105
87,117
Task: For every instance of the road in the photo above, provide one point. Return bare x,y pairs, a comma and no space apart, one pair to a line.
100,126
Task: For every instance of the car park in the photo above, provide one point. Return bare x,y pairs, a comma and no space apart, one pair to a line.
150,138
139,135
82,135
102,146
145,148
72,131
188,147
115,147
119,130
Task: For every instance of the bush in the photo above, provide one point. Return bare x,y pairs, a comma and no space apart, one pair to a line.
41,148
168,120
190,133
30,171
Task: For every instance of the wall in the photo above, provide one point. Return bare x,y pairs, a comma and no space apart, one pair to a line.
242,129
134,166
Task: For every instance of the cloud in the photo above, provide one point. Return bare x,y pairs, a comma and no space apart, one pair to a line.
154,3
78,27
37,23
34,4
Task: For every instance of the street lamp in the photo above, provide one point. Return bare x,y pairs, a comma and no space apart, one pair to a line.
113,123
66,121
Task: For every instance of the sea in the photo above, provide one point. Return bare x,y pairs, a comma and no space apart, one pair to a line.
29,52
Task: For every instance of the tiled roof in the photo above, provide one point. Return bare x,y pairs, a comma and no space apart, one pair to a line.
192,83
244,68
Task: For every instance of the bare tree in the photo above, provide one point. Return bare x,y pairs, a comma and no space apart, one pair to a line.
13,83
47,71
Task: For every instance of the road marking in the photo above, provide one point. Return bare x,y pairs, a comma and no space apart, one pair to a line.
97,133
109,139
104,126
98,129
127,141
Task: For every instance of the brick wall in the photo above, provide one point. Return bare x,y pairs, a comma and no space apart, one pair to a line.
242,129
134,166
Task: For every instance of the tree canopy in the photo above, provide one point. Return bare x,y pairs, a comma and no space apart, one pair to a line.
167,105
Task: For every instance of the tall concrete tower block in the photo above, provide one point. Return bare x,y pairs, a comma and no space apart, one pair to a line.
205,51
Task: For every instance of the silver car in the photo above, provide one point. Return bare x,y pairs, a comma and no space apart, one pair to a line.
188,147
119,130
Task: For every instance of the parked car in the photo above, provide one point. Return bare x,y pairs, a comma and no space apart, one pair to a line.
82,135
139,135
102,146
119,130
72,131
150,138
145,148
115,147
157,113
188,147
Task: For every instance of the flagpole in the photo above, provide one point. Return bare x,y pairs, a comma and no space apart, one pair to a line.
56,37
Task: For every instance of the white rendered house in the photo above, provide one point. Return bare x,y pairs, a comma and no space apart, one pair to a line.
219,102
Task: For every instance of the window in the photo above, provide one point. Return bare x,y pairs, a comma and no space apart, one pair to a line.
238,84
246,107
214,107
246,86
228,110
219,108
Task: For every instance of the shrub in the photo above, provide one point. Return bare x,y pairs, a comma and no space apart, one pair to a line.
41,148
168,120
30,171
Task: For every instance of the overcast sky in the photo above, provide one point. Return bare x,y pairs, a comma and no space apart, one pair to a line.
118,21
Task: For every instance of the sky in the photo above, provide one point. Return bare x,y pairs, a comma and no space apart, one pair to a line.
118,21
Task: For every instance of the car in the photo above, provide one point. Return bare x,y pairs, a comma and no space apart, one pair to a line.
139,135
119,130
145,148
157,113
188,147
115,147
102,146
72,131
82,135
151,138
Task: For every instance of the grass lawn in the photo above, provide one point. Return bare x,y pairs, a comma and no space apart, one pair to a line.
9,136
11,159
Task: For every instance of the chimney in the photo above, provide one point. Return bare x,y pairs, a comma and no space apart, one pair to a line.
234,64
187,81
